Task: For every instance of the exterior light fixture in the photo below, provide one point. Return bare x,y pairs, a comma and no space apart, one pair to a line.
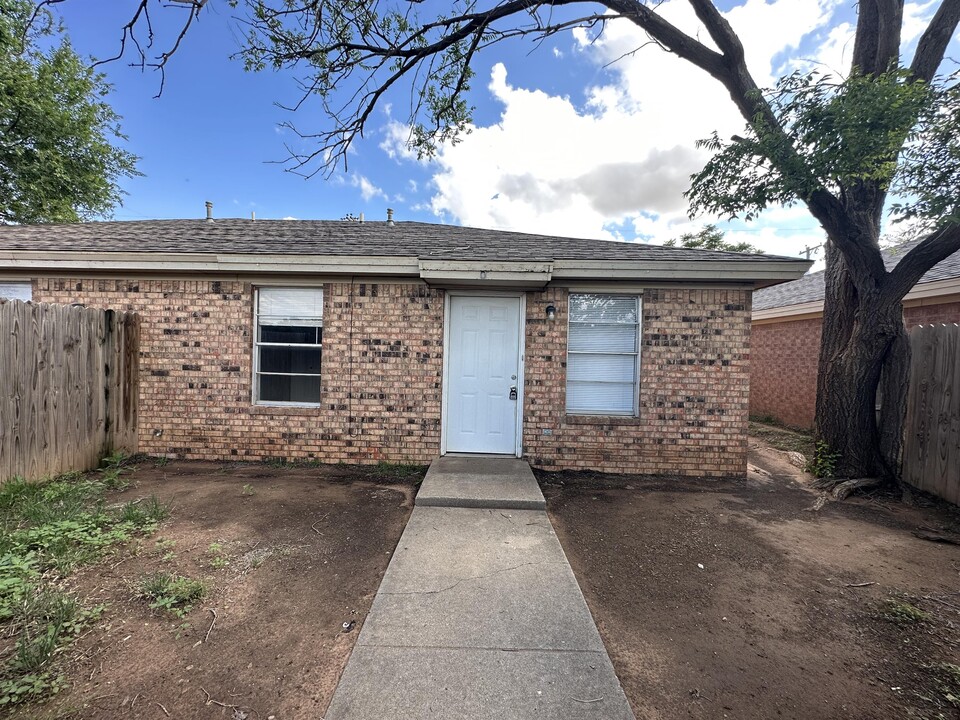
551,312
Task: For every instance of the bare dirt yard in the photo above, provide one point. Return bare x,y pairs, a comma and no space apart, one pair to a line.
734,600
290,559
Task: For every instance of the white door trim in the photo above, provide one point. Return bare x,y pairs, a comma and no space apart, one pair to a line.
521,374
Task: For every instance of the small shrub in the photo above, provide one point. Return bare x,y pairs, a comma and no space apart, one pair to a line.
824,462
174,593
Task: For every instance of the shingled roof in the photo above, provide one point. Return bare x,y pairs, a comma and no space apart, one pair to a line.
425,241
811,287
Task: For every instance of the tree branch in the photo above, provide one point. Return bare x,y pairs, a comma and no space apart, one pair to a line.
876,45
937,246
933,43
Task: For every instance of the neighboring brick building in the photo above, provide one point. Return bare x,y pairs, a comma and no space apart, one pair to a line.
786,335
342,341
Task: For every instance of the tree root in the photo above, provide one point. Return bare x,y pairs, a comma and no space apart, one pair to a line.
835,489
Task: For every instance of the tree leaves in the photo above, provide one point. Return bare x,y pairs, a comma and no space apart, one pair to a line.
58,157
887,130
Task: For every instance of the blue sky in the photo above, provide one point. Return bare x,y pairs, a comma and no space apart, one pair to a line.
564,143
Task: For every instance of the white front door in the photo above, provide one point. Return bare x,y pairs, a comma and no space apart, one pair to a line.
483,368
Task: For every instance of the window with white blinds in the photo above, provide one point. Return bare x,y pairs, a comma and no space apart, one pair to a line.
603,345
288,346
16,290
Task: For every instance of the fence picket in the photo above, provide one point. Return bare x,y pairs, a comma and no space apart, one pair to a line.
931,448
64,372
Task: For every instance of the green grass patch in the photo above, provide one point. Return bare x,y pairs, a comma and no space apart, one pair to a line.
948,679
175,593
47,529
783,438
903,612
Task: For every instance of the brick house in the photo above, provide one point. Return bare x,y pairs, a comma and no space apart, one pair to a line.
362,342
786,334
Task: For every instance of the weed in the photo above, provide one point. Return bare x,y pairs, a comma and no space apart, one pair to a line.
160,461
217,558
113,480
247,490
164,548
824,462
116,459
46,529
144,513
399,471
948,678
903,612
174,593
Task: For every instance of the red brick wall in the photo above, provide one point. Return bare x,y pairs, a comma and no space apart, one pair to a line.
932,314
694,390
383,403
785,354
784,378
382,375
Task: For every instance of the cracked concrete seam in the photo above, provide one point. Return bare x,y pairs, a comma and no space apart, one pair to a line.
468,579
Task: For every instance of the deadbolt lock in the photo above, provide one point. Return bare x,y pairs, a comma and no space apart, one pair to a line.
513,392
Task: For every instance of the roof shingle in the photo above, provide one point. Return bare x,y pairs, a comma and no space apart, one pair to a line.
811,287
332,237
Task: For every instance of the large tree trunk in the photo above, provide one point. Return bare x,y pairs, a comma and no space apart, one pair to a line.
864,342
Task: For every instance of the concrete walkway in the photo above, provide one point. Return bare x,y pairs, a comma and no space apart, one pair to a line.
479,614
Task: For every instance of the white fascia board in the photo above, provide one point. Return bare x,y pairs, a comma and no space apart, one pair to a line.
715,270
208,263
483,272
924,291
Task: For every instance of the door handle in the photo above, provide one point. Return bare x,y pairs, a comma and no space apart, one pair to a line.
513,392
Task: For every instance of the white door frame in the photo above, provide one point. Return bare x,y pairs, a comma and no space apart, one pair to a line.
521,329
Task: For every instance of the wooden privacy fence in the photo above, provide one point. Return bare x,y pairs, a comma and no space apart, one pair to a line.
931,444
68,387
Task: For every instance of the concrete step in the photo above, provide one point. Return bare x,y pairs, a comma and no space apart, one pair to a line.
480,482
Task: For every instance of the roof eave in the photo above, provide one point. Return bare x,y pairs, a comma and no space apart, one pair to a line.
756,271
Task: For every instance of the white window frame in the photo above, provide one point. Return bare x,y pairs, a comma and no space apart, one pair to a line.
636,382
309,321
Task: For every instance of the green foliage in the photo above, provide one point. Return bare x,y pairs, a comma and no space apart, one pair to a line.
47,528
174,593
710,238
840,134
247,490
399,471
823,464
59,154
948,678
903,612
218,558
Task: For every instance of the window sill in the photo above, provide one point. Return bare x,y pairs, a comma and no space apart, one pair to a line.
602,420
263,409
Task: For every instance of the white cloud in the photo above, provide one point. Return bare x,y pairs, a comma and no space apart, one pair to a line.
619,158
368,190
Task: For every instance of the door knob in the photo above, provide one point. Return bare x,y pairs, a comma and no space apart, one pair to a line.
513,392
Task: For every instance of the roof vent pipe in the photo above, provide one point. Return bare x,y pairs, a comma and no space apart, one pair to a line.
389,216
361,217
253,215
209,210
